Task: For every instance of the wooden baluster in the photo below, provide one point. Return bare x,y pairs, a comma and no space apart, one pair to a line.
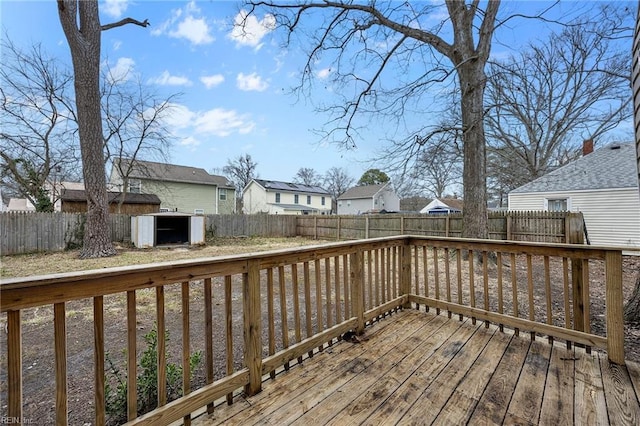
567,308
394,262
186,345
296,305
436,277
336,270
416,277
319,310
405,273
60,339
283,311
14,364
307,303
327,284
369,279
500,289
472,288
162,350
425,266
532,316
271,318
132,369
345,281
586,300
547,289
447,275
98,359
514,290
485,279
228,315
357,287
459,273
383,275
388,272
208,335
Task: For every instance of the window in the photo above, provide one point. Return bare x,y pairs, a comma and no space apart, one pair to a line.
198,211
308,199
339,203
223,195
295,199
164,210
277,197
348,203
322,201
557,205
135,186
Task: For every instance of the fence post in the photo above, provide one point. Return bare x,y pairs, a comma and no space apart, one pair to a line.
252,327
357,288
405,272
366,227
509,226
575,235
614,310
315,227
338,230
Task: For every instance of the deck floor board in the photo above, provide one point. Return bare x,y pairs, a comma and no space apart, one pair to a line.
422,368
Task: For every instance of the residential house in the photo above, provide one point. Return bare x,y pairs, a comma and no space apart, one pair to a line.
75,201
369,199
181,189
274,197
602,184
443,206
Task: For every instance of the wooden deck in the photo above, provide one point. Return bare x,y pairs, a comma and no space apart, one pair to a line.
421,368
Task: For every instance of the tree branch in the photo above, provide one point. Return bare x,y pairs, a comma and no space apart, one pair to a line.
124,22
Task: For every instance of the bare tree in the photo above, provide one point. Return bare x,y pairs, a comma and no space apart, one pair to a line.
135,125
375,45
240,171
307,176
438,165
38,133
81,25
543,102
336,182
632,308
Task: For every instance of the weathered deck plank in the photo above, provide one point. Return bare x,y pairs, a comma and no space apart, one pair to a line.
421,368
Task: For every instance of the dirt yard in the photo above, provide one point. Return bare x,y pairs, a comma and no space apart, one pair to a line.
37,326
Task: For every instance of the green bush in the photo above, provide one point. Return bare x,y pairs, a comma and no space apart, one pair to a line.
147,381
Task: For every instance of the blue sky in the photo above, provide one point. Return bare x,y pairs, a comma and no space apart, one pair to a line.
235,88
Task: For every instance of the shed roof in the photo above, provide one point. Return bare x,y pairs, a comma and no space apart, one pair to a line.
174,173
275,185
612,166
365,191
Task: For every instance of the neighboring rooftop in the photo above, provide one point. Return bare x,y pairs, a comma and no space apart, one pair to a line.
365,191
174,173
78,195
612,166
275,185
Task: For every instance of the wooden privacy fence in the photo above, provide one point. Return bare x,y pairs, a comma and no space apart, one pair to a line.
539,226
262,225
288,304
39,232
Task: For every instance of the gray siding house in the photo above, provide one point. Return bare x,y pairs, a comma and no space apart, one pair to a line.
603,185
369,199
181,189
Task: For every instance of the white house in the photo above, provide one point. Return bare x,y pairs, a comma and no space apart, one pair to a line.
274,197
444,206
603,185
369,199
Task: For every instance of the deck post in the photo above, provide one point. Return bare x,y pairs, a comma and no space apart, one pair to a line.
575,235
14,365
614,310
405,273
252,327
357,288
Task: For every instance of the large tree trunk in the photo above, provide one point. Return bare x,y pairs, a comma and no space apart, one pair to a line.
474,177
84,43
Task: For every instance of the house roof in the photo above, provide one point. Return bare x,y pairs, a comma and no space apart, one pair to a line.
173,173
612,166
274,185
113,197
365,191
443,204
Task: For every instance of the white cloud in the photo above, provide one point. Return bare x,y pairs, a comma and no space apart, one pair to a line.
122,71
166,79
323,73
114,8
212,80
251,82
186,24
217,122
117,44
249,31
189,141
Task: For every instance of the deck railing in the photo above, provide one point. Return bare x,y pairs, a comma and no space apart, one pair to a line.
290,304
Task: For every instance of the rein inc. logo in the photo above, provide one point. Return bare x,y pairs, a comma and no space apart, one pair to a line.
6,420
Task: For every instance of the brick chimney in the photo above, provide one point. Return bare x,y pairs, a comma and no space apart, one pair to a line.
587,147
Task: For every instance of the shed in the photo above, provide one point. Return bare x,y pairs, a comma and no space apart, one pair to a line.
159,229
75,201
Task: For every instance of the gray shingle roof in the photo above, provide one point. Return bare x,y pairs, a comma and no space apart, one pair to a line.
174,173
365,191
612,166
112,197
275,185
